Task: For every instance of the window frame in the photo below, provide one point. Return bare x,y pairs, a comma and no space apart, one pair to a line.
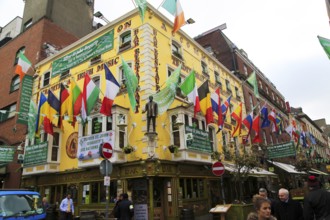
125,41
20,50
46,79
176,50
15,83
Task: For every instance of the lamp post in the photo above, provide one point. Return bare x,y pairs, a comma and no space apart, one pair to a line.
101,16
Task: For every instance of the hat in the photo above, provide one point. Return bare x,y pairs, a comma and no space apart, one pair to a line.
313,182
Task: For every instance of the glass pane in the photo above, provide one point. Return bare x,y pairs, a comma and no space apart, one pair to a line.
95,192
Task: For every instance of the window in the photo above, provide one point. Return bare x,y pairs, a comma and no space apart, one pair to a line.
251,101
205,69
125,41
46,79
96,125
122,78
191,188
267,91
28,24
96,59
96,80
65,74
224,139
175,131
212,138
273,96
15,83
181,78
237,93
228,85
122,131
260,84
176,50
95,192
55,147
7,112
245,70
21,50
217,78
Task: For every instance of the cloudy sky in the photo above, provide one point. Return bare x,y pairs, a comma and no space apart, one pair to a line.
279,36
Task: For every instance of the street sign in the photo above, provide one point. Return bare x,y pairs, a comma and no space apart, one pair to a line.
107,181
218,169
106,150
105,167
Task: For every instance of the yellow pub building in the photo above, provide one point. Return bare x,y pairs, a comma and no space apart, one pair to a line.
162,184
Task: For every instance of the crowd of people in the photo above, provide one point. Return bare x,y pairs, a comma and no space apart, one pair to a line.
316,204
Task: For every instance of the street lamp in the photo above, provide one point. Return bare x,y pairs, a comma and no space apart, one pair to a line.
190,21
101,16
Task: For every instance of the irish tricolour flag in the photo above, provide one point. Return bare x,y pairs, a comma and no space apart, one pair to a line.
189,88
90,96
22,66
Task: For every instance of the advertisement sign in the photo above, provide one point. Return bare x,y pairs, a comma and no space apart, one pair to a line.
36,154
6,154
89,146
281,150
24,104
197,139
86,52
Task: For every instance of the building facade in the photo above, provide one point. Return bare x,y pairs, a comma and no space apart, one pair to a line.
160,183
37,39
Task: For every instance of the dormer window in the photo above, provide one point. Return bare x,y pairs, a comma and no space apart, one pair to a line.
205,69
176,50
125,41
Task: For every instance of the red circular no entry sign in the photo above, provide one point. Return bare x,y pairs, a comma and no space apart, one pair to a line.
107,150
218,169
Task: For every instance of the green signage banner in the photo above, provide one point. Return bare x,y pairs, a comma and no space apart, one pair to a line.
6,154
281,150
36,154
88,51
24,104
197,139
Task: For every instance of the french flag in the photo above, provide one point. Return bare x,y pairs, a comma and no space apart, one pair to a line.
225,106
248,121
216,103
111,91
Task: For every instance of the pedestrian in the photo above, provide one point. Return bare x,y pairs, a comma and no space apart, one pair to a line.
45,204
66,208
124,208
264,193
317,201
262,209
286,208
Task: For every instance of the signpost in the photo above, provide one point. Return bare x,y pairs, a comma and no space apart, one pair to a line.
106,170
218,169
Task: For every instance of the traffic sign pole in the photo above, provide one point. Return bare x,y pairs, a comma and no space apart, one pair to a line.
107,195
218,169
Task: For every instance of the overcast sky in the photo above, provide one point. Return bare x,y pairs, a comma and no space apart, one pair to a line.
279,36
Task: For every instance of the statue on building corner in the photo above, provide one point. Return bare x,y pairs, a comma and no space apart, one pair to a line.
152,111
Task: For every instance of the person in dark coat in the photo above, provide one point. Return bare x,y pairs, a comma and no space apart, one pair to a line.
124,208
286,208
264,193
316,202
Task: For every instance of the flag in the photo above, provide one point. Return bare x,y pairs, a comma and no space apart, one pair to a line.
32,120
89,97
170,6
303,139
54,108
256,128
237,115
325,43
165,97
66,105
179,20
289,130
248,122
312,138
216,107
272,118
264,116
131,82
22,66
142,5
41,111
205,102
111,90
76,95
225,107
279,123
189,89
253,82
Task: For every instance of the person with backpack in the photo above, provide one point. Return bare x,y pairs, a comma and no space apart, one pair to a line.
124,209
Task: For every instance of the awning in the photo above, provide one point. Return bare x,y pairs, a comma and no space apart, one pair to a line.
287,167
318,172
257,172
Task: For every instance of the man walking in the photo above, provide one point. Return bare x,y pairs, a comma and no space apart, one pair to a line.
287,209
66,208
124,209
